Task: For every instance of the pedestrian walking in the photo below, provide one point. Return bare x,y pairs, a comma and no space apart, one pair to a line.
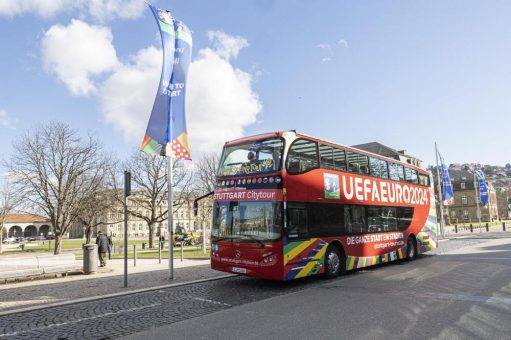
102,242
162,241
110,246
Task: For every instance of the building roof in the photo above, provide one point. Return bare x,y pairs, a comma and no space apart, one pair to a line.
25,218
379,149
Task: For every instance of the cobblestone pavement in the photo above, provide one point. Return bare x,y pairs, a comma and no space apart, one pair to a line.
123,315
40,292
115,317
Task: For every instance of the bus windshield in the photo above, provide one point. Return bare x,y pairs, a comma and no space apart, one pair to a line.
256,221
251,158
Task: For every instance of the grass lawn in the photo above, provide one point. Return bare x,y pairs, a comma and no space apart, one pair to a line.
188,252
75,245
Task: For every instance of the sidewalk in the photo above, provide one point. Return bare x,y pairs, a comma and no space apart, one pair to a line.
109,280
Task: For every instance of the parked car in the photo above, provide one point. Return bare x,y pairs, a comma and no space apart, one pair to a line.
10,240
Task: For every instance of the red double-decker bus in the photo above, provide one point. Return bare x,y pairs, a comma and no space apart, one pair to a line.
289,205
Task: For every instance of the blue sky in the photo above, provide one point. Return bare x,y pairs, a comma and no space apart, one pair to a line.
403,73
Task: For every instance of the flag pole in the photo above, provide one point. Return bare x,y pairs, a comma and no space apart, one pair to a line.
440,195
170,216
478,197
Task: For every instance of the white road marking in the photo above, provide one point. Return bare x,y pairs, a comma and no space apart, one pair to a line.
212,301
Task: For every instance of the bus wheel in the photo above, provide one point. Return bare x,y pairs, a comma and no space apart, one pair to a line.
332,262
411,249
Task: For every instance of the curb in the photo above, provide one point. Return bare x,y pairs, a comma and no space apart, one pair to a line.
95,298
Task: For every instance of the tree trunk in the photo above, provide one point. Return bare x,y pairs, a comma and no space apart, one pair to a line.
58,244
151,235
88,234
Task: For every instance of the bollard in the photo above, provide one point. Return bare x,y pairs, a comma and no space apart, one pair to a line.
181,251
471,228
503,226
456,228
159,252
487,228
134,255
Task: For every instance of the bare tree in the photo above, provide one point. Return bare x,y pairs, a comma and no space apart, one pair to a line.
149,197
205,173
98,203
55,170
7,202
205,181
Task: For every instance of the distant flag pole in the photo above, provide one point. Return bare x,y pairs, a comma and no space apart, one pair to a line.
448,194
166,131
440,195
482,196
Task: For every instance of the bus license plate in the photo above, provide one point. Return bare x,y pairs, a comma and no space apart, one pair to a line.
239,270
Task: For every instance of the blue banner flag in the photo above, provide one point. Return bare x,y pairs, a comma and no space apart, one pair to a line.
448,195
157,132
167,124
178,135
483,188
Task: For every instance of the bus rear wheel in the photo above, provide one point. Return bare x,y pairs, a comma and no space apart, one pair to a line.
411,249
333,264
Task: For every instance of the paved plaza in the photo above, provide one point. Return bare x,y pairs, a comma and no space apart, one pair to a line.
108,280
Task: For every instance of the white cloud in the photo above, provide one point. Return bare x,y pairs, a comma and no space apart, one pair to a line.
227,46
326,59
123,9
5,121
343,42
323,46
220,98
221,101
77,53
99,9
128,94
44,8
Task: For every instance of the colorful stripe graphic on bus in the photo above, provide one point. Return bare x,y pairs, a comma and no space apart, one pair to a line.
427,237
355,262
307,255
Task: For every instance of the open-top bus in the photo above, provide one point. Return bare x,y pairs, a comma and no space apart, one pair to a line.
289,205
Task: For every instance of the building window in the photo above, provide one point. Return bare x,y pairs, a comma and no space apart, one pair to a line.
453,214
462,184
464,214
464,200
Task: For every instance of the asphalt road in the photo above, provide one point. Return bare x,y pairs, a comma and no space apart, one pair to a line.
465,293
462,292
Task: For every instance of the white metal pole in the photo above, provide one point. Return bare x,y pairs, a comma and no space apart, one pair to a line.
440,196
170,216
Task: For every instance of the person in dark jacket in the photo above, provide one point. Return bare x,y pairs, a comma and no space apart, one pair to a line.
102,242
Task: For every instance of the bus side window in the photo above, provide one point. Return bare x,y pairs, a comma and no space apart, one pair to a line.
404,218
424,180
358,163
411,176
297,222
354,216
326,219
302,156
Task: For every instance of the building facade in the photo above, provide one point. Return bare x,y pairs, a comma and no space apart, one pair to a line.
464,209
183,218
504,202
26,225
